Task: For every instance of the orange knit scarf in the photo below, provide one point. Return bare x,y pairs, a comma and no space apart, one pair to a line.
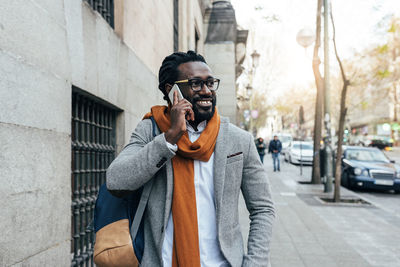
186,250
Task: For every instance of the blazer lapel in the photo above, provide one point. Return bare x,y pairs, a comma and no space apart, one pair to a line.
220,164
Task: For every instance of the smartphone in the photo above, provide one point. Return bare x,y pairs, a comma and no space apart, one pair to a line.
171,93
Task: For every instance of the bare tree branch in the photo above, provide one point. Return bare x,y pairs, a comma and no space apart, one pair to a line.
342,116
336,52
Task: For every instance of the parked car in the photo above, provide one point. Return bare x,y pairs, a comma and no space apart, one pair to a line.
368,167
381,143
300,152
285,139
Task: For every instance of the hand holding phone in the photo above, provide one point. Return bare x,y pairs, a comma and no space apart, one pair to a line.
176,91
181,111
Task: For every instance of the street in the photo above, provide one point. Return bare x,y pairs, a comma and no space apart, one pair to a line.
308,232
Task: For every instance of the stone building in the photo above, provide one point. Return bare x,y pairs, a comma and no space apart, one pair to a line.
76,76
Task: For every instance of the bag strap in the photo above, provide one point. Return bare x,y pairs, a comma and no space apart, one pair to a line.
144,197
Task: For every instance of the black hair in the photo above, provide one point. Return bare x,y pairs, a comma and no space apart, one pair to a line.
169,72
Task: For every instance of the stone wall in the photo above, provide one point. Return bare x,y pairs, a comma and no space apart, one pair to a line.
147,28
35,112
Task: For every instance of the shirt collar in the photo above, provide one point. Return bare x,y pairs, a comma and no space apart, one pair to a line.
200,128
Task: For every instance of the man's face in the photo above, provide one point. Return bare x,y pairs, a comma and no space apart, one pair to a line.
203,101
275,138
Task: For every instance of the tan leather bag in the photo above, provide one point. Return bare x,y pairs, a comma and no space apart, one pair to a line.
113,246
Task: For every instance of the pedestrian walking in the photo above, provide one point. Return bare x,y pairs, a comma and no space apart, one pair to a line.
261,146
199,163
275,147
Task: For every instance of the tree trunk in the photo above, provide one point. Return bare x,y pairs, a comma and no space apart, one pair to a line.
316,171
342,116
338,163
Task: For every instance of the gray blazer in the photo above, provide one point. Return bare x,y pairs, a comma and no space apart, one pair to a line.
237,167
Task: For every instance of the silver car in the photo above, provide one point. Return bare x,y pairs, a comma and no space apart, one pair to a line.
300,152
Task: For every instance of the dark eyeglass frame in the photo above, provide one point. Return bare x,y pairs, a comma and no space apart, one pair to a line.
202,82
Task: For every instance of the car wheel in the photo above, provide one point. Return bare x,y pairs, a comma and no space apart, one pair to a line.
350,183
345,180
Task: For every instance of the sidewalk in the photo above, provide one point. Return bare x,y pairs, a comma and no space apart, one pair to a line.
310,233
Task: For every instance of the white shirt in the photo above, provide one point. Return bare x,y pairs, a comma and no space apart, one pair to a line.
210,253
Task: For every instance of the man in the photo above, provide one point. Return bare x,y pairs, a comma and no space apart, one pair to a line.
200,163
275,147
261,148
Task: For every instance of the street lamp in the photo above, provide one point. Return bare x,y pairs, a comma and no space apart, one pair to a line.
249,90
255,59
305,37
327,118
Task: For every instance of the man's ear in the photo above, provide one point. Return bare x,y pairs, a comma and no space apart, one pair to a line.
168,88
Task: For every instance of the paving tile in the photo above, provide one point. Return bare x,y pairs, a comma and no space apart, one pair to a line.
311,234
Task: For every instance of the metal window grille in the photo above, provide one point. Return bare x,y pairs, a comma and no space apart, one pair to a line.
196,40
105,8
176,25
93,149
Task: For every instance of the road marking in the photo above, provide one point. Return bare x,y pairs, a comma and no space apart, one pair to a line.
290,183
288,194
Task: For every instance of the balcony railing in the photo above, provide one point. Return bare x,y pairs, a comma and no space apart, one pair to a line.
105,8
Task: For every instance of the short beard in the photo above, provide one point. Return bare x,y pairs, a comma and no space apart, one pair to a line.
199,117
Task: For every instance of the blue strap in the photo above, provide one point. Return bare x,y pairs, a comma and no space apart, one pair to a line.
153,122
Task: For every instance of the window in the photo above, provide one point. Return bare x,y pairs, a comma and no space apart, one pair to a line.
196,40
93,148
105,8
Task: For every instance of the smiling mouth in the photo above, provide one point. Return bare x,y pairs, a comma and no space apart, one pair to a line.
204,103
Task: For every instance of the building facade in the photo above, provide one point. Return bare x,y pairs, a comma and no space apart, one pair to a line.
76,76
364,125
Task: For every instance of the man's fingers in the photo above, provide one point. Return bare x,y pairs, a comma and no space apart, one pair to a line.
191,115
185,108
185,101
189,111
176,100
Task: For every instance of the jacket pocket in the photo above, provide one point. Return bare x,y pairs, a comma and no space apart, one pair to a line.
234,158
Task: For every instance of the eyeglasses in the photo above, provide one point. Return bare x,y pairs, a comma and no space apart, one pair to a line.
197,84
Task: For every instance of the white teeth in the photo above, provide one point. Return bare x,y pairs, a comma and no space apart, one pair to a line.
205,102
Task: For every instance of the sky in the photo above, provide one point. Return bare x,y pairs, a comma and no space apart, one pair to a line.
273,26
